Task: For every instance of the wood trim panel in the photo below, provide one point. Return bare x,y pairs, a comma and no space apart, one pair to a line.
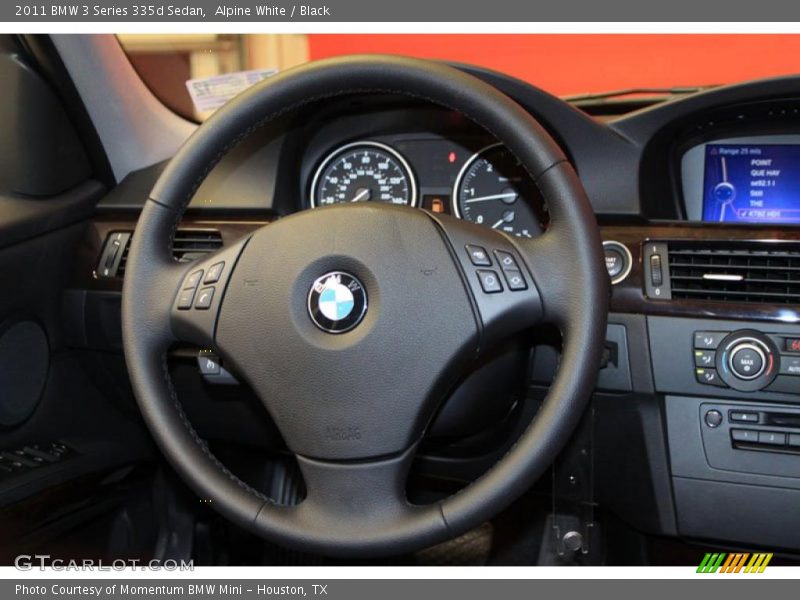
626,297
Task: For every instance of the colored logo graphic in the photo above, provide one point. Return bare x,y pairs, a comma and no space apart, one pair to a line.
337,302
739,562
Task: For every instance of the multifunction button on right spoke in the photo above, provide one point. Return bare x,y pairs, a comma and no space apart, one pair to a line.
511,271
478,256
490,280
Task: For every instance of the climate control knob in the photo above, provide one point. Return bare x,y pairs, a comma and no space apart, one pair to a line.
747,360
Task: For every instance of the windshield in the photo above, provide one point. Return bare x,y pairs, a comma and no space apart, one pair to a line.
564,64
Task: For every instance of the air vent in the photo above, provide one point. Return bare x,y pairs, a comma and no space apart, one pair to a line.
767,273
189,244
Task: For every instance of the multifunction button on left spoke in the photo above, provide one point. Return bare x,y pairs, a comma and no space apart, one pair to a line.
214,273
204,298
186,296
200,294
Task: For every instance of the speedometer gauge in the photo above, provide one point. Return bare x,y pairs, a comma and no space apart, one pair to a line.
495,190
361,172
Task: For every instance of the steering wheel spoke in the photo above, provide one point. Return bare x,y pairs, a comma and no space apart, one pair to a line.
199,291
494,266
361,505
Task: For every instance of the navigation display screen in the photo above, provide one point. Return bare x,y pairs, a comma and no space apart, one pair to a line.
752,183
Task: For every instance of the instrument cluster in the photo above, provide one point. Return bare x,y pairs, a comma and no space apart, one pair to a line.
476,180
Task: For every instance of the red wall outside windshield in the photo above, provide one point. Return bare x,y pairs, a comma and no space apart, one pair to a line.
576,63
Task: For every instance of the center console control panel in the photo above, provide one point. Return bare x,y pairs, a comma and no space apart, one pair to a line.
742,360
747,360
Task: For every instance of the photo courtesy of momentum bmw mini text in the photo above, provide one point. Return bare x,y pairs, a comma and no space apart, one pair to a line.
398,300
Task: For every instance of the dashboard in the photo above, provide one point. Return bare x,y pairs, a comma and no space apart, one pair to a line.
698,201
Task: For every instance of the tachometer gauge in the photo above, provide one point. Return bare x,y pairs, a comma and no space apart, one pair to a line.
495,190
362,172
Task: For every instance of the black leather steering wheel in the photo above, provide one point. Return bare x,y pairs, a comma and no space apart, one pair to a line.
353,391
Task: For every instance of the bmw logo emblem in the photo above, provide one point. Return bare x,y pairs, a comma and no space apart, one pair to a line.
337,302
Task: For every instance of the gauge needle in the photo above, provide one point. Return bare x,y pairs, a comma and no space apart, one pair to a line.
492,197
507,217
361,194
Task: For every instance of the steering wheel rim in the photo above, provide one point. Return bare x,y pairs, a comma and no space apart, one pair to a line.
355,503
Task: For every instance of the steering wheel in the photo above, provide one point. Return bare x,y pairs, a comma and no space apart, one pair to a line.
353,323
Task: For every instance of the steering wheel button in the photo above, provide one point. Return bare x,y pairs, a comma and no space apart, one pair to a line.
204,298
185,299
515,280
208,364
478,256
490,282
506,260
193,280
214,273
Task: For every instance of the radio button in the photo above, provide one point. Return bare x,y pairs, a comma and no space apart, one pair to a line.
743,417
771,438
748,436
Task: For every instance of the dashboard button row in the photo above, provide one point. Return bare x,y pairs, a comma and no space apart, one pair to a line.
765,438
